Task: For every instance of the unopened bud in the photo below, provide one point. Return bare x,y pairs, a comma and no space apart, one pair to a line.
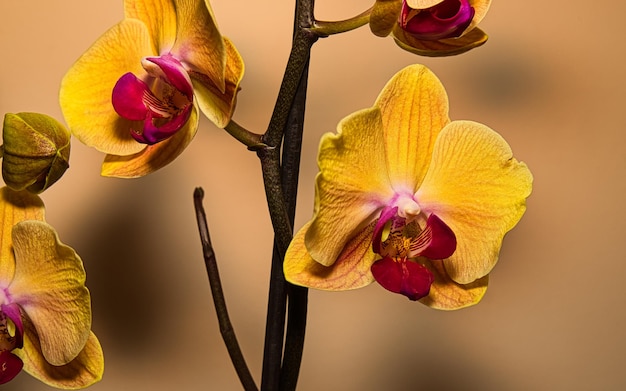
36,150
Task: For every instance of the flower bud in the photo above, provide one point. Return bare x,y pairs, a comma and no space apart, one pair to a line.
36,151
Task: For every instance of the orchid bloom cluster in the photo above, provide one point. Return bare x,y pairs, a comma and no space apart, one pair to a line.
404,196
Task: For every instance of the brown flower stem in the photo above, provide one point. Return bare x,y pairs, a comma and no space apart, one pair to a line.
280,186
226,328
326,28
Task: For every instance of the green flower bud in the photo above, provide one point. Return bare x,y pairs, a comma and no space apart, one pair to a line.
36,151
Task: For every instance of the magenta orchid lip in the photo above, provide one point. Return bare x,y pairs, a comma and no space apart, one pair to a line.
448,19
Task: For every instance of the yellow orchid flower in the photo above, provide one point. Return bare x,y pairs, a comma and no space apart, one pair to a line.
410,199
431,27
135,93
45,308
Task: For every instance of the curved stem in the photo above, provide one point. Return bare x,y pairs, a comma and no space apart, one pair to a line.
252,140
325,28
226,328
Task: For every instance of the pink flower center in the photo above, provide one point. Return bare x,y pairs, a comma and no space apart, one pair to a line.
404,245
163,102
448,19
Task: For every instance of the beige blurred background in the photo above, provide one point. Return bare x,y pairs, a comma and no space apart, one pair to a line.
550,80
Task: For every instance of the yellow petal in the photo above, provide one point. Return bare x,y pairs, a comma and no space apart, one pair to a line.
443,47
446,294
476,186
218,106
159,16
414,108
351,271
352,185
86,369
480,10
153,157
14,207
423,4
86,89
49,285
384,16
199,43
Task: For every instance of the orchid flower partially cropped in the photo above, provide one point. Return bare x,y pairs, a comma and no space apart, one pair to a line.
45,308
431,27
409,199
135,93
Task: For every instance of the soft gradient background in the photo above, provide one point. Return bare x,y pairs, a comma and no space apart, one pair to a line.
550,80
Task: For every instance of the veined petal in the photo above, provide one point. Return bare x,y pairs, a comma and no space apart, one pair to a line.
414,107
352,184
86,89
476,186
49,285
218,105
159,16
153,157
199,43
15,206
350,271
384,16
86,369
446,294
443,47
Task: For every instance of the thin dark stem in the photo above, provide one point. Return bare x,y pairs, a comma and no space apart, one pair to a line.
297,296
279,214
226,328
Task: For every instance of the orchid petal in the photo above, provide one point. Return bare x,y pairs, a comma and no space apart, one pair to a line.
414,107
384,16
405,277
446,294
199,43
352,184
153,157
480,8
386,215
170,69
216,103
85,94
128,97
442,47
350,271
476,186
86,369
10,366
14,207
436,241
159,16
49,285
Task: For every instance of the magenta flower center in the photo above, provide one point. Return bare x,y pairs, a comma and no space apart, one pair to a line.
448,19
404,244
163,101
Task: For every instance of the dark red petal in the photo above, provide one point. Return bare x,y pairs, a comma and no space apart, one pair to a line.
447,19
405,277
10,366
385,216
443,240
128,97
